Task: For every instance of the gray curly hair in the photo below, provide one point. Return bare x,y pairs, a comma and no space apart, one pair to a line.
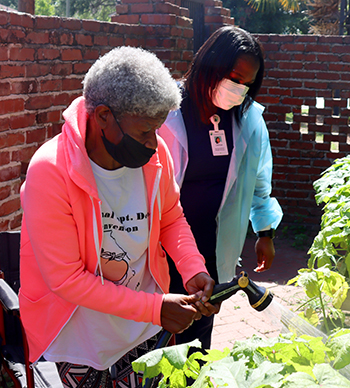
133,81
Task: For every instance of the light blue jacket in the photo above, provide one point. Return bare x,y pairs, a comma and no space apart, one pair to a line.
248,184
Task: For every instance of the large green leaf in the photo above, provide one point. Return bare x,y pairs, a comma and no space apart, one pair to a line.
266,374
328,377
164,360
325,375
300,380
229,372
340,346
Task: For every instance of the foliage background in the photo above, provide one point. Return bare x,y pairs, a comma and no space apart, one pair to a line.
273,19
82,9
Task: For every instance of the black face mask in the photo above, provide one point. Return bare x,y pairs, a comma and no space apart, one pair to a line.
129,152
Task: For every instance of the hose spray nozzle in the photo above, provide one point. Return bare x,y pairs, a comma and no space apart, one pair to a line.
259,297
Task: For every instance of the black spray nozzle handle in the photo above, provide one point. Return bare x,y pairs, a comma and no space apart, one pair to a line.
259,297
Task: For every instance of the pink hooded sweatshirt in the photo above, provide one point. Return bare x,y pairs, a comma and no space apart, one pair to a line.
61,237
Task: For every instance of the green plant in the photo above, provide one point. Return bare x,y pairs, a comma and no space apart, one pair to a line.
285,361
332,244
326,291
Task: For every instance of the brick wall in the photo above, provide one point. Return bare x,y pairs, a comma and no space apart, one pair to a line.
43,61
306,93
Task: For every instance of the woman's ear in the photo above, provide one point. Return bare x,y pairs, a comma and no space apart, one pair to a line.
101,115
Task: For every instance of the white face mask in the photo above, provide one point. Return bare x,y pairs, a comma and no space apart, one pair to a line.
229,94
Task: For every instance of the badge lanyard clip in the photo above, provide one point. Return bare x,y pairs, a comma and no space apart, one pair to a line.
217,138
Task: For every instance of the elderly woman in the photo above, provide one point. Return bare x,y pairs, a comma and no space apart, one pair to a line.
98,200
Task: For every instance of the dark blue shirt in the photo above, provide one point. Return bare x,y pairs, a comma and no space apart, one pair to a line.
205,176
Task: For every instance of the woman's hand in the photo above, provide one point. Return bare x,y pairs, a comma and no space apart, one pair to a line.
202,284
265,252
178,312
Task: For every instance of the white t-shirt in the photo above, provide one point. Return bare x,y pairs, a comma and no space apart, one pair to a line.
97,339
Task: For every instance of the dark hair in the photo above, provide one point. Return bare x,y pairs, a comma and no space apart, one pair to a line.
215,61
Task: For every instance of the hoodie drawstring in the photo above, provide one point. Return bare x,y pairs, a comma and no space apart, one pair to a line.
97,243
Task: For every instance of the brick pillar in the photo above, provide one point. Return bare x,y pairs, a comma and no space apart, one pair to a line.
27,6
216,16
169,30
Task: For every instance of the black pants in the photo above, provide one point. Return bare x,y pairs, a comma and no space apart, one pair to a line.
203,328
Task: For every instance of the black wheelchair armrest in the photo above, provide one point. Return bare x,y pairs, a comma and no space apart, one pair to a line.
8,298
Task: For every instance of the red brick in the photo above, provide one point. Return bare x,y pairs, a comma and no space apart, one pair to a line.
51,116
4,158
47,22
290,47
3,18
38,102
15,223
328,75
12,71
24,153
11,139
21,54
327,58
10,206
122,8
71,55
91,25
278,74
181,66
325,48
316,66
340,49
167,8
48,53
38,37
81,68
4,225
139,30
61,99
142,8
316,85
37,70
54,130
91,53
66,39
50,85
100,40
129,19
71,24
83,39
269,100
303,93
4,123
22,20
22,120
5,88
134,42
340,67
5,191
158,19
9,173
11,105
62,69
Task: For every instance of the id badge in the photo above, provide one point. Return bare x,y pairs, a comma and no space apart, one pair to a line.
217,138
